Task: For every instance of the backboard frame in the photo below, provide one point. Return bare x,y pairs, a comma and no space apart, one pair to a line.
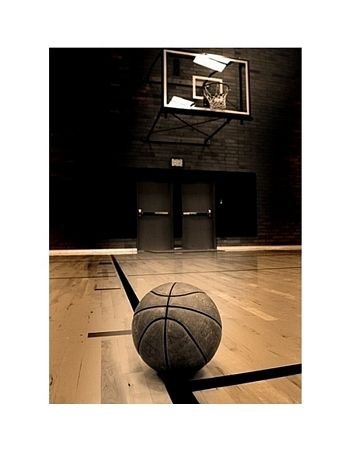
201,110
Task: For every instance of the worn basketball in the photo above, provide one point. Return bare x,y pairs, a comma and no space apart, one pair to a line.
176,327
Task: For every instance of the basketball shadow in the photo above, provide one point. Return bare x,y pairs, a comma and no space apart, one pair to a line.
177,383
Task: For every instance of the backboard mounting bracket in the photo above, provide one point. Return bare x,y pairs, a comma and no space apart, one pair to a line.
204,138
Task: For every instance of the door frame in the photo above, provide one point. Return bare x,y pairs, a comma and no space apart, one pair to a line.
171,217
213,216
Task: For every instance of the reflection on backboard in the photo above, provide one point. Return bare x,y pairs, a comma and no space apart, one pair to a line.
186,74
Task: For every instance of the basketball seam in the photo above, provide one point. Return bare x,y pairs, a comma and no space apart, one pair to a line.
165,331
149,307
193,339
196,311
180,307
178,295
144,331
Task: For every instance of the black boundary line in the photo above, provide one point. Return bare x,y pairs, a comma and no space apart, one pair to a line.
109,333
177,387
245,377
179,307
185,387
130,293
213,271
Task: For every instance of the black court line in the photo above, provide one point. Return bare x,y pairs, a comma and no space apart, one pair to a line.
130,293
246,377
213,271
109,333
178,389
106,263
181,389
107,289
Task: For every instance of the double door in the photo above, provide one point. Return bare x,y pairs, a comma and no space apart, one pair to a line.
166,211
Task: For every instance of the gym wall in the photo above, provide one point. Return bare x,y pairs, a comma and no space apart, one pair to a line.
102,105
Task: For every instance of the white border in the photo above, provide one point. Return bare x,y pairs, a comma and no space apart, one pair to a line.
103,251
248,248
194,85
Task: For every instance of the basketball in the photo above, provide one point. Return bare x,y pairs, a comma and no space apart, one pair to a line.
176,327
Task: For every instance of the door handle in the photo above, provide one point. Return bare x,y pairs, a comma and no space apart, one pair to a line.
197,213
190,213
141,213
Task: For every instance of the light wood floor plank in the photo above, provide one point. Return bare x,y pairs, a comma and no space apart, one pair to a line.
258,296
281,390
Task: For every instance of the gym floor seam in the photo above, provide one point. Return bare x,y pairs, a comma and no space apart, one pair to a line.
213,271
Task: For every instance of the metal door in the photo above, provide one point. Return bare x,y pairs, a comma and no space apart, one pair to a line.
197,216
154,212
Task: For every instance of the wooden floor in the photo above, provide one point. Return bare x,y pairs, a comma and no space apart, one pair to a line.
92,357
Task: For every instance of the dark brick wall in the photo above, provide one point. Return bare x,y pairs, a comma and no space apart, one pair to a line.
102,104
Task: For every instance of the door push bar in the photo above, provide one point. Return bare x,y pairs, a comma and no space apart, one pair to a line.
198,213
141,213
